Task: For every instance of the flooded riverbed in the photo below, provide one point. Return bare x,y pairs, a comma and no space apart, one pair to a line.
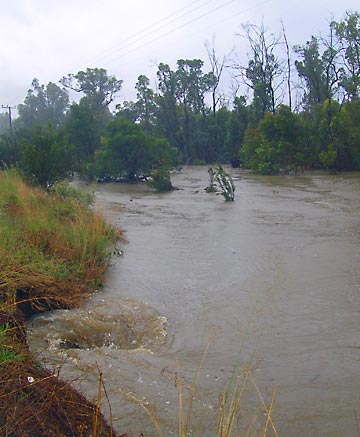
271,280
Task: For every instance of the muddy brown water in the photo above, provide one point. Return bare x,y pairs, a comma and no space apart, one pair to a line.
271,281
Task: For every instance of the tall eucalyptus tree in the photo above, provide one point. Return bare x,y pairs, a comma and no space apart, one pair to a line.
348,34
264,71
43,105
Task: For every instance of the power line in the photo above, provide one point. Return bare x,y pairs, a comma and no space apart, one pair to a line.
244,8
138,48
149,30
119,49
174,29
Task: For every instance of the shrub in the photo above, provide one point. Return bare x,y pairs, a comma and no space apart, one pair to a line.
160,180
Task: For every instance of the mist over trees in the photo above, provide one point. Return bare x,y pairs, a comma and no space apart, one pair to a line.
293,108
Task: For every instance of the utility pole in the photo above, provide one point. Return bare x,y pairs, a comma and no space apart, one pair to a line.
9,108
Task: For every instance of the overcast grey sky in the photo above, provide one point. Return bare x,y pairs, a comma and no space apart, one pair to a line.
48,39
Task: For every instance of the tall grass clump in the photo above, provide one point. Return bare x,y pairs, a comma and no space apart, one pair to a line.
53,248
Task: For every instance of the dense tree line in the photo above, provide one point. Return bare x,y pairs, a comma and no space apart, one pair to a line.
293,114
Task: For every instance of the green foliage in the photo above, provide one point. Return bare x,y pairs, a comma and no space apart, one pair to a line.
276,144
236,125
181,102
83,130
43,105
160,180
9,353
312,69
211,188
129,152
178,109
262,70
44,159
4,123
66,191
213,146
145,105
328,158
225,182
348,135
9,150
98,87
348,33
199,162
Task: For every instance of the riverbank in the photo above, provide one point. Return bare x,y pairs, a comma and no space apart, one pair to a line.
54,250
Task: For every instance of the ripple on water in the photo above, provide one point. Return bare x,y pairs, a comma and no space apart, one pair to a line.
113,323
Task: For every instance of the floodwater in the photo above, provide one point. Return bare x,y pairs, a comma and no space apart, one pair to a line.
269,282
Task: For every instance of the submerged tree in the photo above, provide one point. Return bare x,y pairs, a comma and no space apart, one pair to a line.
225,182
129,152
211,188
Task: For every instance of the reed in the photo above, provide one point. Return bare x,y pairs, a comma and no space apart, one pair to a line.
229,410
232,421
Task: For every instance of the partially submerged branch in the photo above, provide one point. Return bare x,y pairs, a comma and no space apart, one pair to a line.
225,182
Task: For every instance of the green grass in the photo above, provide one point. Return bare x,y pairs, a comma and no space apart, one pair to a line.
9,351
53,248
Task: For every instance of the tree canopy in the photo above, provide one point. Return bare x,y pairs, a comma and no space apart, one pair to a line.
290,109
43,105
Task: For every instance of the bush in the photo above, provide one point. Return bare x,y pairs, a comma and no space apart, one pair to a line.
67,191
160,180
43,160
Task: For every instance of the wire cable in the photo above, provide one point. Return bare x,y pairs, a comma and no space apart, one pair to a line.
149,30
171,31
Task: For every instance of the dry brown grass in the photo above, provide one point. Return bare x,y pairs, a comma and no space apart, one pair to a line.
232,421
34,402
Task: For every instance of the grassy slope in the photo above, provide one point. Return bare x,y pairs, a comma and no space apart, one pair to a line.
53,251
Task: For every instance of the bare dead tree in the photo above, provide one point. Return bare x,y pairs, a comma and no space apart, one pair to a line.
264,72
288,57
217,68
